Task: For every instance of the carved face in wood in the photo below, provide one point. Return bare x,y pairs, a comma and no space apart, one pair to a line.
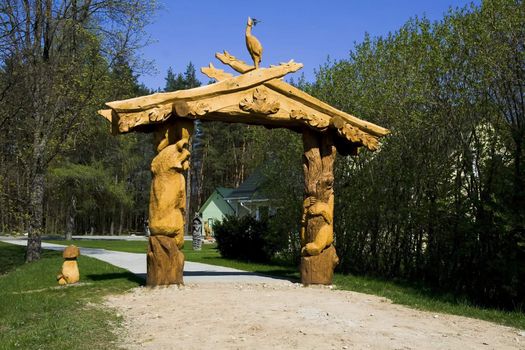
182,158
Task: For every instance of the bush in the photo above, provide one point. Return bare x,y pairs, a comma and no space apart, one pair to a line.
245,239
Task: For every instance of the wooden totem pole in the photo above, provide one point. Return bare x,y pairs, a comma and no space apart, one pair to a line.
256,96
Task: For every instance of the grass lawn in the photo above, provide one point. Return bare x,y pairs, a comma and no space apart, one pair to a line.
422,298
410,295
118,245
37,314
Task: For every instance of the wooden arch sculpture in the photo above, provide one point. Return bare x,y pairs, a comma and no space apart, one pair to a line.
256,96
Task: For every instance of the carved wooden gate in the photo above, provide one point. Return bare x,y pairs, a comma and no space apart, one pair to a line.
256,96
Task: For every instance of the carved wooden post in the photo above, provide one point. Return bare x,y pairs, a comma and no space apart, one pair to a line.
317,234
168,204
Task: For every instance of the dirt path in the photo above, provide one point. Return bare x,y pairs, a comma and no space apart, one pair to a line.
288,316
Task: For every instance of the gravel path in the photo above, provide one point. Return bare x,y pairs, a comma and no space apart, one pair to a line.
289,316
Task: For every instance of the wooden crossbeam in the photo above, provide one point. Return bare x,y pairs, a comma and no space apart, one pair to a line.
215,73
241,82
295,93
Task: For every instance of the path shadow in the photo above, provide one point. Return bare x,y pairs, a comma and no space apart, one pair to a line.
286,275
267,274
217,273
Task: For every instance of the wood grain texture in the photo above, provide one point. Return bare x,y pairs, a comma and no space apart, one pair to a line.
215,73
254,93
165,261
319,269
241,82
252,44
317,231
167,207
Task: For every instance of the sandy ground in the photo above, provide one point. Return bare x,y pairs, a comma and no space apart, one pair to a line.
289,316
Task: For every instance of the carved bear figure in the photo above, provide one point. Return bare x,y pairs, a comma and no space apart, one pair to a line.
69,273
317,231
325,231
168,191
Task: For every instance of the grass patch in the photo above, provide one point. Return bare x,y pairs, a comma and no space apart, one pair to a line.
35,314
411,295
10,258
422,298
117,245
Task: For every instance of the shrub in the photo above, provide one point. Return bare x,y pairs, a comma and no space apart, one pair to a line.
245,239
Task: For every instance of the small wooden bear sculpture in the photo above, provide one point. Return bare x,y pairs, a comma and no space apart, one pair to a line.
69,273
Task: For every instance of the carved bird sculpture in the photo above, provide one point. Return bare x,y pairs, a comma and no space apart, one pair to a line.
253,45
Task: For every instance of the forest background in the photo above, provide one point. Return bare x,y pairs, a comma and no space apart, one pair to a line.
442,202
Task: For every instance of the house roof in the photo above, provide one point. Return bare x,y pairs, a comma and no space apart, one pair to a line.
223,192
256,96
249,189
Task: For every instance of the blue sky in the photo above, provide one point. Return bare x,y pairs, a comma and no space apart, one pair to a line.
308,31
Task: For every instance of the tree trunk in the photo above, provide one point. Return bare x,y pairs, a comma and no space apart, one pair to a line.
103,228
518,195
121,221
34,241
71,219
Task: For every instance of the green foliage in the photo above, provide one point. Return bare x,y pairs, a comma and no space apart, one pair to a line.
245,239
101,185
442,179
283,173
230,154
36,313
442,201
54,77
181,81
91,181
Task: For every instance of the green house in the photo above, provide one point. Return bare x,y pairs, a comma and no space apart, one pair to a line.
216,207
248,199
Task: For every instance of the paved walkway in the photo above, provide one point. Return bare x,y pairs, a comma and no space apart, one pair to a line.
119,238
136,263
